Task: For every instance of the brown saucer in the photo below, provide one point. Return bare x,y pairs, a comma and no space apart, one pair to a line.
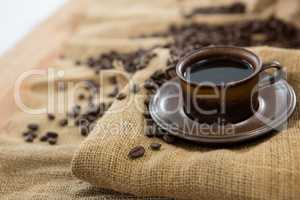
276,104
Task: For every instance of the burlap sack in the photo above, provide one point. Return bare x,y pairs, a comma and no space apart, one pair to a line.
262,170
266,169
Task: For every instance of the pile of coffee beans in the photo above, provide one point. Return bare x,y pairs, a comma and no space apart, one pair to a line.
192,36
235,8
31,133
132,61
82,117
50,137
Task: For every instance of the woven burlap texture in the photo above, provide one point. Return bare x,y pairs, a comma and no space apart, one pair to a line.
266,169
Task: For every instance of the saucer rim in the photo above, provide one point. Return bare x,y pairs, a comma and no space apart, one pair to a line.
262,130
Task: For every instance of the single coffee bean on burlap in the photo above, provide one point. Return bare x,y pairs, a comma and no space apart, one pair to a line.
168,139
136,152
44,138
33,127
63,122
155,146
51,117
52,141
51,134
121,96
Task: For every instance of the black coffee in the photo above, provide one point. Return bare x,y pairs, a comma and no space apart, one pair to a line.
219,70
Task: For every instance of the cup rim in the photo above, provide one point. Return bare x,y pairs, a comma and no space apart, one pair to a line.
196,53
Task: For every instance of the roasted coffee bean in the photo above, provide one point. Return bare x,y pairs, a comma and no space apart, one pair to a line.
93,110
44,138
63,122
33,127
121,96
34,135
51,134
84,131
135,88
149,85
171,73
150,122
155,146
147,101
149,132
52,141
81,97
91,118
168,139
51,117
26,133
147,114
114,93
113,80
29,138
136,152
159,74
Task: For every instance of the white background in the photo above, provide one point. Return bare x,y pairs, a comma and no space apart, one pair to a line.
18,17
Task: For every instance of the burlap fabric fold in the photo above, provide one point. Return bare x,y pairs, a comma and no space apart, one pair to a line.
265,169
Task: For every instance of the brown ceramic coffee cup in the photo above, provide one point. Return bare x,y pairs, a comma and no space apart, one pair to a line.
227,103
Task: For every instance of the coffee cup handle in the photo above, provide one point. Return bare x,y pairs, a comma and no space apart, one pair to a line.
279,74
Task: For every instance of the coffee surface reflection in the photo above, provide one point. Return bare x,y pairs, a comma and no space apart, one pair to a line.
218,71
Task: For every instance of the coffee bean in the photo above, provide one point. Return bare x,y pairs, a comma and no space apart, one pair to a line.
84,131
149,131
63,122
113,80
147,101
51,117
44,138
135,88
169,139
52,141
149,85
33,127
93,110
171,73
81,97
159,74
114,93
26,133
34,135
52,134
155,146
136,152
147,114
29,138
121,96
